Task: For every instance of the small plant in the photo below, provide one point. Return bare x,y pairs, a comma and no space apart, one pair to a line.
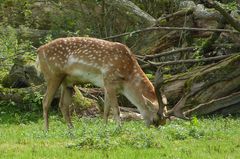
32,101
150,76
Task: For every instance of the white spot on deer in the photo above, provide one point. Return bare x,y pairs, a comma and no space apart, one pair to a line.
137,84
81,62
138,75
85,52
57,64
105,70
95,65
72,60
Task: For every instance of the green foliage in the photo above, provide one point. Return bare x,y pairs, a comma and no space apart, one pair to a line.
13,113
11,47
32,101
150,76
230,6
199,43
17,12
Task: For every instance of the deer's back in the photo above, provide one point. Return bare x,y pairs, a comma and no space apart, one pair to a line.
86,58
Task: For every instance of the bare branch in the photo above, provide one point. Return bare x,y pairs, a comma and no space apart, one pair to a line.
183,12
189,61
172,28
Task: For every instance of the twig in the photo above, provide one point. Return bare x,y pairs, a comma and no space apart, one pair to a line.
171,28
229,46
140,59
183,12
169,52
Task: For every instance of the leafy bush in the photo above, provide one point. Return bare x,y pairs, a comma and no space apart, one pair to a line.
11,47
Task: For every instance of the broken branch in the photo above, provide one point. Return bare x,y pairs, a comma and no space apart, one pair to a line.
146,57
171,28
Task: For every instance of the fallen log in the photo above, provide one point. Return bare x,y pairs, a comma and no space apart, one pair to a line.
214,105
215,83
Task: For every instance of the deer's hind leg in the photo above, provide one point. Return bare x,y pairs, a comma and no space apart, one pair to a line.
65,102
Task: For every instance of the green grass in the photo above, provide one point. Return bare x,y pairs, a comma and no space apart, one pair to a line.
22,136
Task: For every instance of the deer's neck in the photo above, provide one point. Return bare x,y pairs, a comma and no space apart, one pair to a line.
137,87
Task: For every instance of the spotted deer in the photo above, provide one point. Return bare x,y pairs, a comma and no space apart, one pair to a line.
110,65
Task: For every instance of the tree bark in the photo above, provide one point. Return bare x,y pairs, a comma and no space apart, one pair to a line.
130,8
233,22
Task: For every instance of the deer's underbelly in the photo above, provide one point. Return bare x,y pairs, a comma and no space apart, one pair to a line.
78,76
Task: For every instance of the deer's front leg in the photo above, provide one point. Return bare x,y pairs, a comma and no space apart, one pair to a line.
52,86
110,96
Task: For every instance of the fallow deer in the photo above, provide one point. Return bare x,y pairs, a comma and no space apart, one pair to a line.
110,65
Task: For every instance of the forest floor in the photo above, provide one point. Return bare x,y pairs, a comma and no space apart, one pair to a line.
22,136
